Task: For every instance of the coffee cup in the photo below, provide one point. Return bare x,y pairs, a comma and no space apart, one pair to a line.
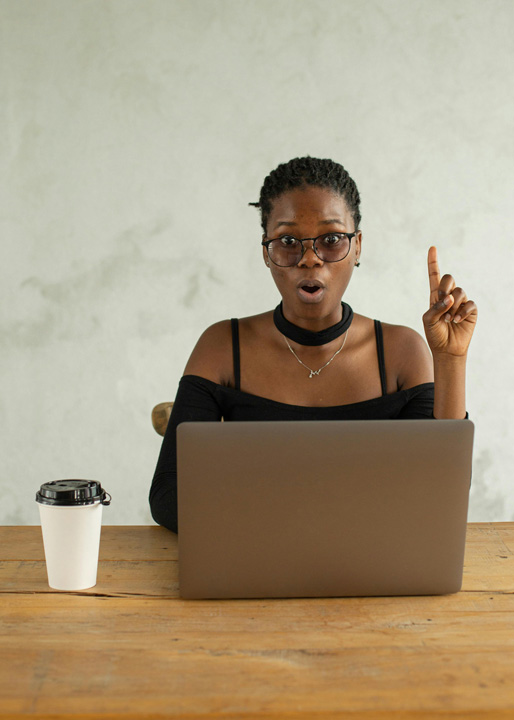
71,522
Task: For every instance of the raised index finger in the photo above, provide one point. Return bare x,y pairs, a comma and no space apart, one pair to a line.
434,276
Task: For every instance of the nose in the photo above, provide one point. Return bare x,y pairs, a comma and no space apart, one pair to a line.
309,259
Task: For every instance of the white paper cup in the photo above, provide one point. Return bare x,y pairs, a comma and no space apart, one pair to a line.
71,522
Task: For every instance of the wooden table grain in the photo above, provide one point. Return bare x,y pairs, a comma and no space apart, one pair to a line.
131,648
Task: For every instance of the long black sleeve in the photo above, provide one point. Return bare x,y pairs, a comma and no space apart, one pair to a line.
195,401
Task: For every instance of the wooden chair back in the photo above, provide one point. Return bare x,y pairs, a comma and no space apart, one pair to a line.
160,417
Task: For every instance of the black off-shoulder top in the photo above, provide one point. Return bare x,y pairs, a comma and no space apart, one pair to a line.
199,399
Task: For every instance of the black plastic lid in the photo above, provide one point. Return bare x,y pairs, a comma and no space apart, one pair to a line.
72,492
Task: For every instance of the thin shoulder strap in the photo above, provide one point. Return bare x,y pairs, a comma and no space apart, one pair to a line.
380,353
235,352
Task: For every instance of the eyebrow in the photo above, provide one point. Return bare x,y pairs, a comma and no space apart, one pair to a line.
290,223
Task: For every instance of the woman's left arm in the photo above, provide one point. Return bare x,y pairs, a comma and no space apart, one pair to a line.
449,325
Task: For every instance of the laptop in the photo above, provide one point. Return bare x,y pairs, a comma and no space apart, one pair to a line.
322,508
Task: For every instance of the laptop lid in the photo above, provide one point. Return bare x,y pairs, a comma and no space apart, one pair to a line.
322,508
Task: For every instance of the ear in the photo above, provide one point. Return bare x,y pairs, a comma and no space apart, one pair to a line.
358,244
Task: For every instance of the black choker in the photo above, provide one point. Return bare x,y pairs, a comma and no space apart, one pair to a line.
308,337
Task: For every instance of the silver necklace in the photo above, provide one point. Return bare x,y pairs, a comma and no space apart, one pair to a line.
317,372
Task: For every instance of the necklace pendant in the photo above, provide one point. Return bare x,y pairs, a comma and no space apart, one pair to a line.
317,372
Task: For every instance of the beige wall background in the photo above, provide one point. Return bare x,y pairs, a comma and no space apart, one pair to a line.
133,136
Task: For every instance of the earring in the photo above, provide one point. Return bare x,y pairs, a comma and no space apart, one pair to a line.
357,264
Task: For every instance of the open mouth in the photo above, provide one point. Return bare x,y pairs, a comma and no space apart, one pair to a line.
310,286
310,290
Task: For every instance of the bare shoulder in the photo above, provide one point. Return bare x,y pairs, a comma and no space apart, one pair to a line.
212,354
407,356
212,357
403,337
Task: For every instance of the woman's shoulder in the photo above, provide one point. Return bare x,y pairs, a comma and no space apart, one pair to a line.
401,338
398,336
212,356
407,355
407,359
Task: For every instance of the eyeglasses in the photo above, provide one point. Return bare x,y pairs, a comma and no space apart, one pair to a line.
287,250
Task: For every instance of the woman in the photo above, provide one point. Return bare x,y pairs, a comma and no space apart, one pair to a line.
312,358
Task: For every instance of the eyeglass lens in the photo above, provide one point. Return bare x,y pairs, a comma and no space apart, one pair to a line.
288,251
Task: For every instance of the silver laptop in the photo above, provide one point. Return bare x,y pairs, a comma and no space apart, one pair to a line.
322,508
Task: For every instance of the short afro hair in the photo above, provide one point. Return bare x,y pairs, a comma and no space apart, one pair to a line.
301,172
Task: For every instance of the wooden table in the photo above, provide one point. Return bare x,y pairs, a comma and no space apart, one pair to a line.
131,647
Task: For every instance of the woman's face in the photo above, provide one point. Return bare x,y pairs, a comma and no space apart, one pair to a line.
312,289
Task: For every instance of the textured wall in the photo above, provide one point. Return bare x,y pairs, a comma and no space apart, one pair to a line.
133,132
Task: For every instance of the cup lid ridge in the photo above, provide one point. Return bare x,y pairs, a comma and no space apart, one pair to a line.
72,492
